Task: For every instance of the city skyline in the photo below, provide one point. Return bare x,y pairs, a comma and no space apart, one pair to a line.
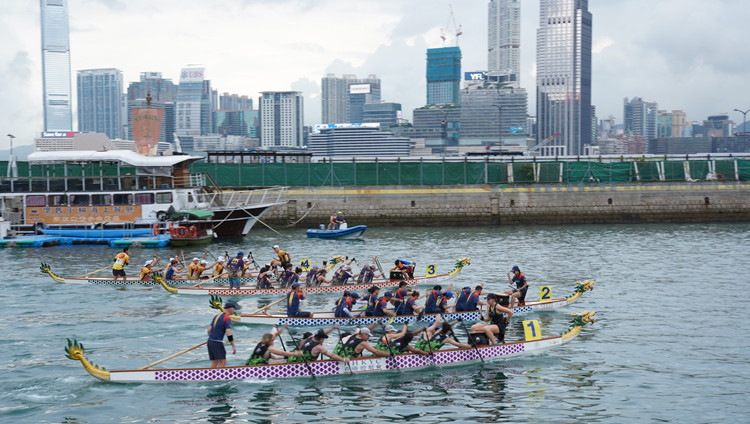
680,59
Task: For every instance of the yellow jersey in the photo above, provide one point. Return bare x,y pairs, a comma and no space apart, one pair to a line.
121,260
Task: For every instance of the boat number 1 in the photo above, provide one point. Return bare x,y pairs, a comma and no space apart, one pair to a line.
544,293
531,330
431,270
305,265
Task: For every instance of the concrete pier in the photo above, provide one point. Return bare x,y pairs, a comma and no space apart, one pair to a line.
503,205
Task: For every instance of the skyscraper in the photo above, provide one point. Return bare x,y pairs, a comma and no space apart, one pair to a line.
504,41
563,78
58,107
640,117
281,119
100,101
194,103
334,98
343,99
443,75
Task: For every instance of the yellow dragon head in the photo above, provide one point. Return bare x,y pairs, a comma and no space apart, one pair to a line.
75,351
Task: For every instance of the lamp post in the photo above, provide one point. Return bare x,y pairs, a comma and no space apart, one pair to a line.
11,137
11,162
499,124
744,119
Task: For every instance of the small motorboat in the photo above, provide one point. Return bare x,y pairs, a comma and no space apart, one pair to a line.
343,232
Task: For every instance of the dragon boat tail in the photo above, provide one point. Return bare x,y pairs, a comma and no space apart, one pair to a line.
402,362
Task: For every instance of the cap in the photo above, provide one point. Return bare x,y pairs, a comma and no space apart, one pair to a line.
148,263
171,259
275,246
387,294
365,330
204,261
348,267
373,267
515,268
269,272
347,293
321,334
389,328
355,295
196,259
240,254
449,294
230,305
295,285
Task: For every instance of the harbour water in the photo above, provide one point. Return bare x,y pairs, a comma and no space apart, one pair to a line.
670,343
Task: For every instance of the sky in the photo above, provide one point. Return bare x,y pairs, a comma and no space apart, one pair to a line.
691,55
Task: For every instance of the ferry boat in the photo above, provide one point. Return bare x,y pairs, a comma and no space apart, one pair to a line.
121,189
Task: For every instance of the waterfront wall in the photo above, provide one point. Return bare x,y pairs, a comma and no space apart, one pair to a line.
307,207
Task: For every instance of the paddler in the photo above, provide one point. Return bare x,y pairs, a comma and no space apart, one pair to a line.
193,269
496,311
283,259
398,342
345,304
372,300
431,305
218,267
221,325
203,267
148,269
381,306
121,260
312,347
468,300
172,268
352,346
434,338
522,286
292,302
265,353
342,275
367,274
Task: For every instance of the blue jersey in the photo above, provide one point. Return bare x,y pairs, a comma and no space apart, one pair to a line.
472,301
170,272
462,299
380,307
219,327
292,303
371,299
430,306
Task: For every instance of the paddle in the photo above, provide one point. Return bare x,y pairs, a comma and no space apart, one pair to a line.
302,354
388,345
268,306
429,346
172,356
279,335
471,339
94,272
377,262
342,341
206,280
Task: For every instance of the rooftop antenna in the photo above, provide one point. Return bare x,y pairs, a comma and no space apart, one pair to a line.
450,28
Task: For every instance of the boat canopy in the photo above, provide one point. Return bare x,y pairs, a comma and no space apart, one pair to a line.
126,157
196,213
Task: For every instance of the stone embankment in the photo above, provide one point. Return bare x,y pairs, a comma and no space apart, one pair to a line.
504,205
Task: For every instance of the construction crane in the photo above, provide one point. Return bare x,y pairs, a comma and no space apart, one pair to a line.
451,25
534,150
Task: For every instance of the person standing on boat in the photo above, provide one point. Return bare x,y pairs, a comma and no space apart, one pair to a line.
352,346
398,343
292,302
312,347
283,259
265,353
345,305
221,325
121,260
431,305
498,316
522,286
381,306
234,268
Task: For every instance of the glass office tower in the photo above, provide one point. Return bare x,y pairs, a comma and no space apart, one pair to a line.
504,41
443,75
58,107
99,101
564,76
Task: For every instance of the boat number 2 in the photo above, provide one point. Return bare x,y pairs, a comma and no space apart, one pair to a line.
305,265
431,270
531,330
544,293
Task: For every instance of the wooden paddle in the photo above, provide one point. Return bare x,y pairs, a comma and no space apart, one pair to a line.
172,356
207,280
268,306
94,272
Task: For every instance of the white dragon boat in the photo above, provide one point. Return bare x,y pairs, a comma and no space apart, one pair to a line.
225,291
327,319
135,281
320,368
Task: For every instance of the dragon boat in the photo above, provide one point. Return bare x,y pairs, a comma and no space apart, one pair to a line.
382,283
320,368
135,281
327,318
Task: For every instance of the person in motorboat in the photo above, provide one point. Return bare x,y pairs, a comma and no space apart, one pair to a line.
519,291
121,260
265,352
293,301
497,318
332,222
221,325
312,348
339,219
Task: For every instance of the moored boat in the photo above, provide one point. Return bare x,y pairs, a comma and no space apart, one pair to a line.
225,291
328,318
401,362
351,232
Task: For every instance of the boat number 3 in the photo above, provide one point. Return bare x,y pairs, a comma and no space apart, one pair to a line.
544,293
431,270
305,264
531,330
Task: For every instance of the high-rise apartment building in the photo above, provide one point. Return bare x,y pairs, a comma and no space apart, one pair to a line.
235,102
564,76
100,93
58,96
640,117
671,124
443,75
343,99
504,41
282,119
